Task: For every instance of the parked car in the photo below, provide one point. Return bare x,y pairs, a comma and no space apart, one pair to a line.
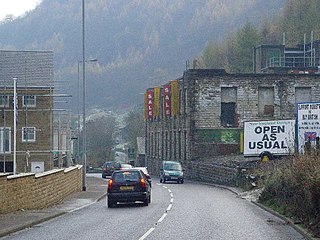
145,171
109,167
127,186
171,171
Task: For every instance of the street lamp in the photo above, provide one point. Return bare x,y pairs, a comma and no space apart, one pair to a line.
84,181
79,120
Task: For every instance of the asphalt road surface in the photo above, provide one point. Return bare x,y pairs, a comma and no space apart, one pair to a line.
177,211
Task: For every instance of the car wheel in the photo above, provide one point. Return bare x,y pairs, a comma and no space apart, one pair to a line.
160,180
181,181
149,199
164,180
146,202
110,204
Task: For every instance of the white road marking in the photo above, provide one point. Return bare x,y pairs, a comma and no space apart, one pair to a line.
163,217
147,233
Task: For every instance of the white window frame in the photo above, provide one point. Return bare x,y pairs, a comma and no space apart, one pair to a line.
2,138
6,97
33,132
31,100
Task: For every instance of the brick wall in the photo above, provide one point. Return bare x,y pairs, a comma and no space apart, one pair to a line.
37,191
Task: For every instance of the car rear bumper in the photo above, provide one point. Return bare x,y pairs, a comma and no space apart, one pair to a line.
128,196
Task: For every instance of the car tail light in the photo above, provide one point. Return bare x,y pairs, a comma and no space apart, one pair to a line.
110,182
143,183
120,168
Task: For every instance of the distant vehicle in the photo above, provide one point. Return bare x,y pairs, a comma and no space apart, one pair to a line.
125,166
145,171
128,186
171,171
109,167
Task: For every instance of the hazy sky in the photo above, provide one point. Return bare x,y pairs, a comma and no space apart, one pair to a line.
16,7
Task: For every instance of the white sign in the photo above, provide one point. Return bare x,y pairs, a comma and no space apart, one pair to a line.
308,117
37,167
276,137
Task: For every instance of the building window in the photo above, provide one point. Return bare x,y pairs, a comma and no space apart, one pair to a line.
167,146
28,134
185,146
266,101
185,101
174,145
29,101
228,107
5,140
4,101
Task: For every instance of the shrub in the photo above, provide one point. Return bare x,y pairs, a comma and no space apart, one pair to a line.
294,190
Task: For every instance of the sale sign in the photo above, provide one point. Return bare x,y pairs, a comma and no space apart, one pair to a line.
150,104
167,100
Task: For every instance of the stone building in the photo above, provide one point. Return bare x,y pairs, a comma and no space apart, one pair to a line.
212,108
33,71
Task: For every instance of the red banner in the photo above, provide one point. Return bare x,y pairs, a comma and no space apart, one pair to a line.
150,104
167,100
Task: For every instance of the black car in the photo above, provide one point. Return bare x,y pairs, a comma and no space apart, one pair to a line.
109,167
128,186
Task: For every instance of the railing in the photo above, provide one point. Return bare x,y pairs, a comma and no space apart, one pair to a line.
292,62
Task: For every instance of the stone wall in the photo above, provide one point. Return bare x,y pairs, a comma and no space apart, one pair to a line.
36,191
212,173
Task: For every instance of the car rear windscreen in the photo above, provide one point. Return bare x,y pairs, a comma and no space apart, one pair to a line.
113,165
133,176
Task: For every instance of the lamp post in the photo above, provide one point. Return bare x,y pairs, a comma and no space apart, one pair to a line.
84,181
79,116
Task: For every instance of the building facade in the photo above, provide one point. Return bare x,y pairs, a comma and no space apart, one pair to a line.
212,108
33,71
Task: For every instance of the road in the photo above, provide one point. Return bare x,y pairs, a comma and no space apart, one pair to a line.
177,211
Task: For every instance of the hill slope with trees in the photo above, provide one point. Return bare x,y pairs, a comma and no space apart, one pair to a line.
138,43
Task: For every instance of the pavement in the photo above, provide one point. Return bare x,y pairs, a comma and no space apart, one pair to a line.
13,222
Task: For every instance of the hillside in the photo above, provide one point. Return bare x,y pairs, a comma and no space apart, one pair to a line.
138,43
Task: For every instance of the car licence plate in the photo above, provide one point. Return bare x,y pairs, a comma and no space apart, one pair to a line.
174,178
126,188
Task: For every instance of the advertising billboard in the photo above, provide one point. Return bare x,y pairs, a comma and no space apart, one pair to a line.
308,125
276,137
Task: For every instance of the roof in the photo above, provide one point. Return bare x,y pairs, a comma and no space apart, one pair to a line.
30,68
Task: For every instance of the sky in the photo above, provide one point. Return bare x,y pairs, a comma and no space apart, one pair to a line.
16,7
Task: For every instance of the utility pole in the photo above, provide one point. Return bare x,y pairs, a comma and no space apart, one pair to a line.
84,187
15,105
